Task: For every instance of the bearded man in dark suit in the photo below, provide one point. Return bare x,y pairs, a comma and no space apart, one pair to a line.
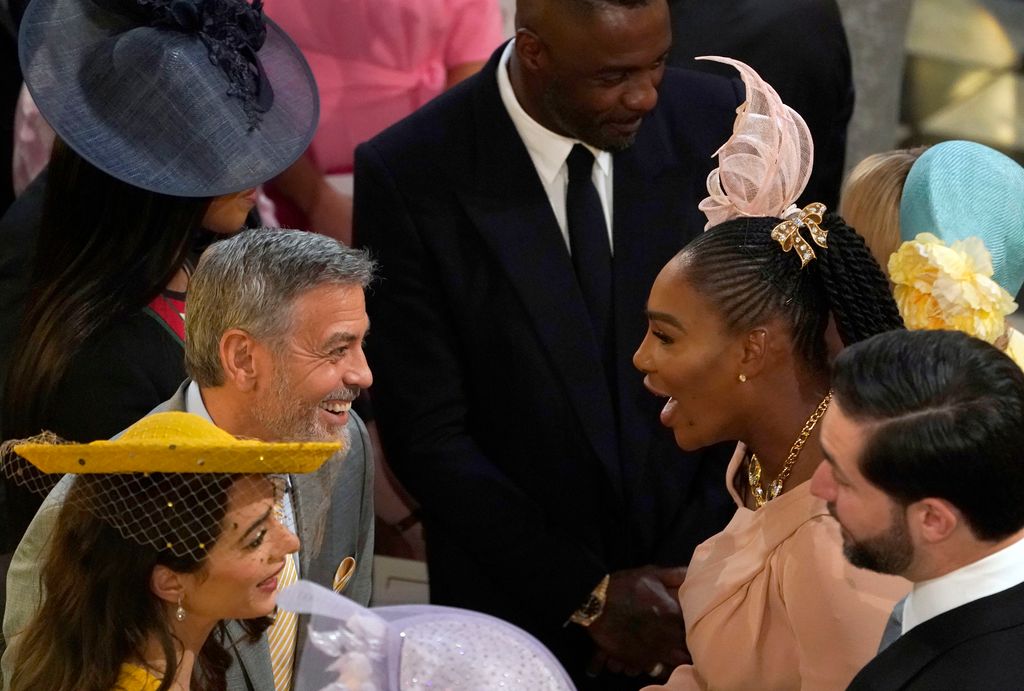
519,221
924,473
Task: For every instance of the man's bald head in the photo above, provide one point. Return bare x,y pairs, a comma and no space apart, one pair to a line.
534,13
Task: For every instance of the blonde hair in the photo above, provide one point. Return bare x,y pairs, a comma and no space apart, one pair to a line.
871,199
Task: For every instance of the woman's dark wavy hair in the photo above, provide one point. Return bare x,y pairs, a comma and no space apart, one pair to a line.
98,610
747,276
105,250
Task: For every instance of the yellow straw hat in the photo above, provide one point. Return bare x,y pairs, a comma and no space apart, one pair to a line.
167,480
176,442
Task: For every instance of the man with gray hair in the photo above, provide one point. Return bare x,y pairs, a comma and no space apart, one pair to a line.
274,351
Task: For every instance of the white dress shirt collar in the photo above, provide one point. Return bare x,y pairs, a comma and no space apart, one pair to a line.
547,149
993,574
548,152
194,402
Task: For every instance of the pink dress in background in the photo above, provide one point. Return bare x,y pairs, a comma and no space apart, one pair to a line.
772,603
376,61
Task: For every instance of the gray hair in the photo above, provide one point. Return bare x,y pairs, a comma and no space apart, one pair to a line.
250,282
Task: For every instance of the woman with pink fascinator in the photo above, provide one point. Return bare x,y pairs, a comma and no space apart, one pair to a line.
736,344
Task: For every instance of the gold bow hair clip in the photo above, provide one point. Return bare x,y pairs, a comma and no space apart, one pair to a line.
788,234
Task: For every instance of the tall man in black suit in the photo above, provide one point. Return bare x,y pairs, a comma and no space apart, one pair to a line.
925,475
519,221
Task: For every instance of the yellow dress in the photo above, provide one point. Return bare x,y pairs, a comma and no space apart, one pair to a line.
135,678
770,603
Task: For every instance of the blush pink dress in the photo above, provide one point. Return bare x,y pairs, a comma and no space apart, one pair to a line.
772,603
376,61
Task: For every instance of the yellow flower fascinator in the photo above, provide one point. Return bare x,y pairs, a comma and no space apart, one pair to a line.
940,286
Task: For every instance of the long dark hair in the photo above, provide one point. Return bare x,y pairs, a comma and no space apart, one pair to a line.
741,270
105,250
98,610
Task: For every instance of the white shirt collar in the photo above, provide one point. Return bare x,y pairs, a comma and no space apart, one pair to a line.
547,149
194,402
993,574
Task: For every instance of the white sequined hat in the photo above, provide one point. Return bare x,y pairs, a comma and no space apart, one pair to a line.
414,647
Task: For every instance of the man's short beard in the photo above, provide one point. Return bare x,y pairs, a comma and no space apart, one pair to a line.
578,126
290,420
890,552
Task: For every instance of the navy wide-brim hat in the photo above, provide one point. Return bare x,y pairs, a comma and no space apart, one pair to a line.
182,97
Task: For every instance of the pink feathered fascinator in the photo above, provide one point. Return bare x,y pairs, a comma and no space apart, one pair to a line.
765,164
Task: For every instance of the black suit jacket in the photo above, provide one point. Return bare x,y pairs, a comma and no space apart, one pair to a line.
489,390
797,46
975,646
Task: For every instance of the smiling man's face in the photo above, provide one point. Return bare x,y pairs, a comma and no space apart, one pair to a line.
319,367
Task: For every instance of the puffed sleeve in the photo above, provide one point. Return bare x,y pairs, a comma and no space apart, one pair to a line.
684,678
837,612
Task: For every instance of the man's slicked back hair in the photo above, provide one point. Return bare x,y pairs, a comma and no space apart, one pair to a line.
250,282
947,418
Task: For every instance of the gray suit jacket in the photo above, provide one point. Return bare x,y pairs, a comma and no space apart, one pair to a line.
346,530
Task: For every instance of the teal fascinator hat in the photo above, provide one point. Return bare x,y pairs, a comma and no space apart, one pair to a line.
960,189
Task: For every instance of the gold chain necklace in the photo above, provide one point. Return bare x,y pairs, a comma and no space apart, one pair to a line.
762,497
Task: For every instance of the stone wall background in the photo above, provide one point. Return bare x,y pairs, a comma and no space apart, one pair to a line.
876,30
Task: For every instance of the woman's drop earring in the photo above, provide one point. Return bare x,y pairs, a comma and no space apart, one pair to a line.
179,613
742,378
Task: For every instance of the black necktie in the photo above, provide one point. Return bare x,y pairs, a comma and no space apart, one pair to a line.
588,242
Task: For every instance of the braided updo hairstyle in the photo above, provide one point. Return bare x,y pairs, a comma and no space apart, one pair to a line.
746,275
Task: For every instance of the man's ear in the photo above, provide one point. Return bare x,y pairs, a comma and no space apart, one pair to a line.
239,359
529,50
167,585
934,519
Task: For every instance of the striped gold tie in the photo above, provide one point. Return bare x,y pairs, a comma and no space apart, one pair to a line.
281,635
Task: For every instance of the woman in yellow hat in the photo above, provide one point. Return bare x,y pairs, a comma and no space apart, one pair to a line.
144,567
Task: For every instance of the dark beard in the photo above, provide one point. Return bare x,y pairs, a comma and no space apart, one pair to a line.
891,552
569,119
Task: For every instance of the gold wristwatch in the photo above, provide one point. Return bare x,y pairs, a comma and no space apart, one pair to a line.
594,606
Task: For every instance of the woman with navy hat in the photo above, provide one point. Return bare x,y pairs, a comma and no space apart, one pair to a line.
168,114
